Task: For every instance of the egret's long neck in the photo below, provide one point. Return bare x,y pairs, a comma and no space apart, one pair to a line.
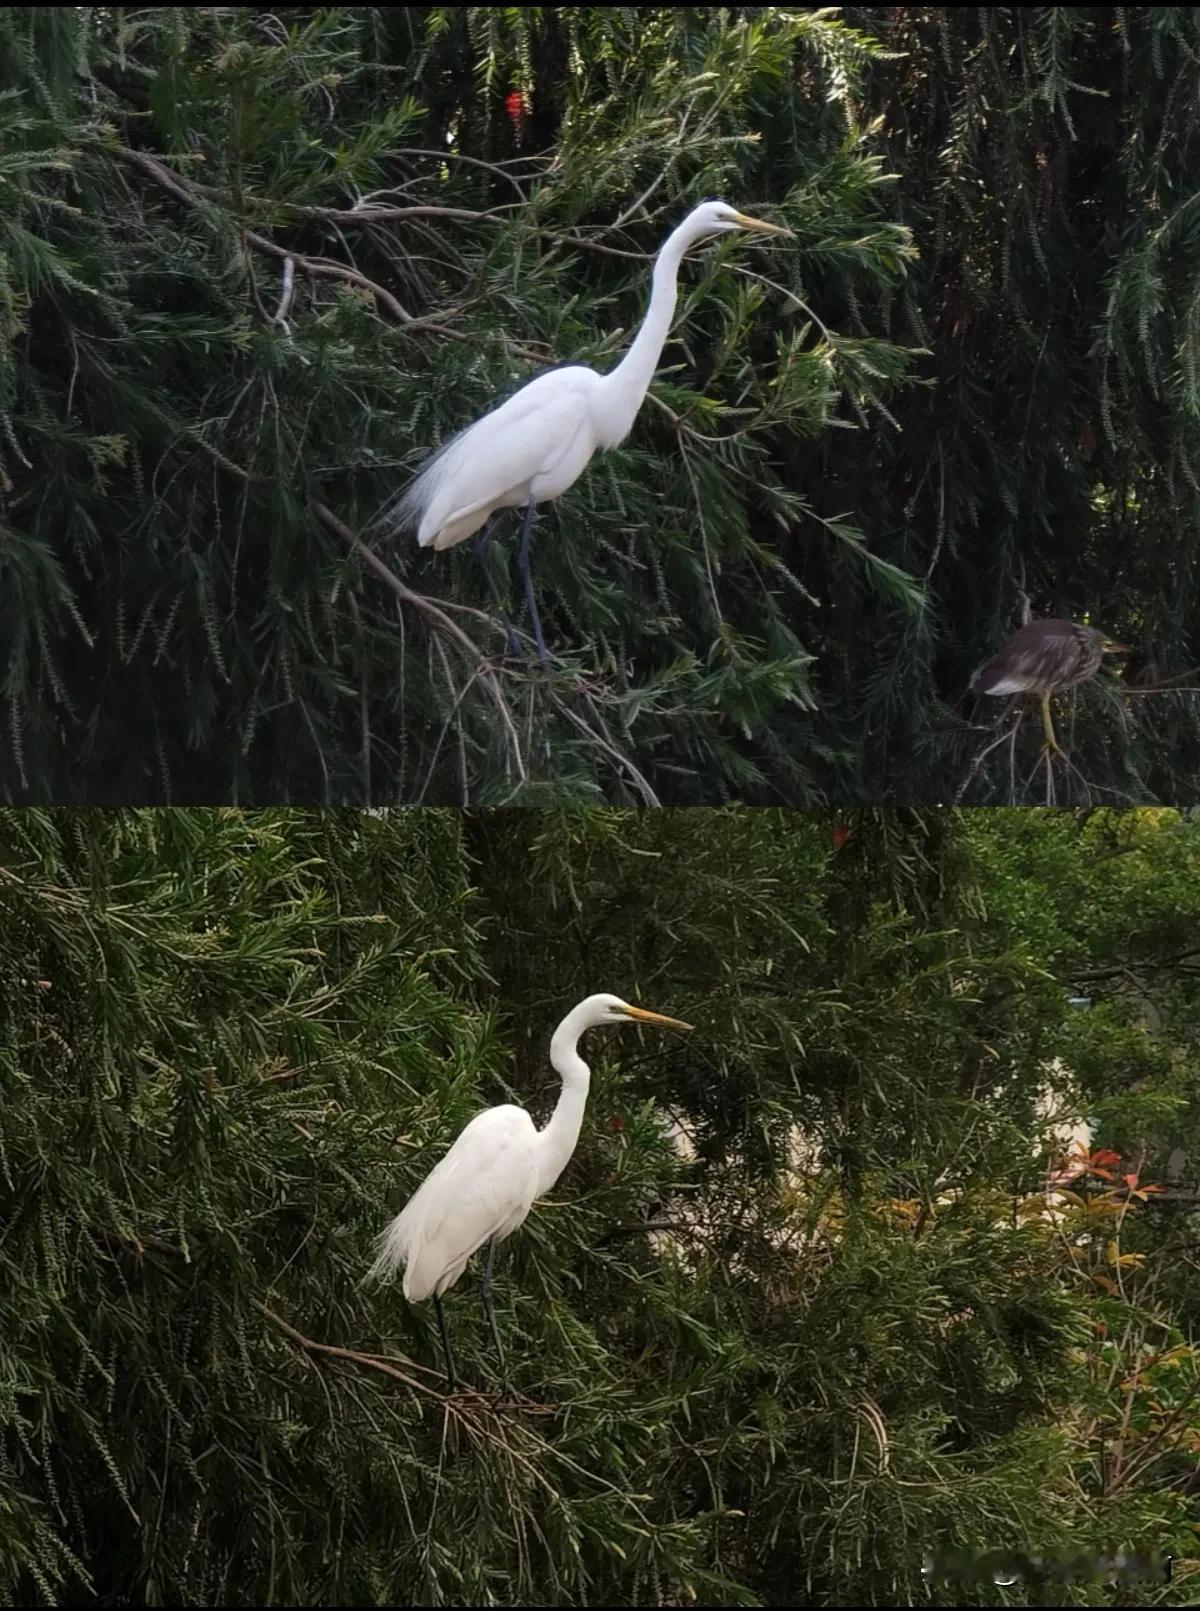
557,1141
625,386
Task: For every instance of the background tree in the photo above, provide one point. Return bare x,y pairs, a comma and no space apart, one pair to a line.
840,1327
255,264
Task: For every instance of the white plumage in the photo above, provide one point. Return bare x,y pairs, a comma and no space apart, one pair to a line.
484,1187
537,444
480,1191
531,448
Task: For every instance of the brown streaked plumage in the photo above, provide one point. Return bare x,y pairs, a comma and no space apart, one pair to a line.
1041,658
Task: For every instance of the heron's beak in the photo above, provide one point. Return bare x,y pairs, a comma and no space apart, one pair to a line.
1109,647
641,1016
761,228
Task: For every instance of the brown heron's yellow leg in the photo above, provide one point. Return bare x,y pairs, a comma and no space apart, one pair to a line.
1050,747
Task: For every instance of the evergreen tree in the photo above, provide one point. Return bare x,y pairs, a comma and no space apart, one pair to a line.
1050,168
778,1367
255,265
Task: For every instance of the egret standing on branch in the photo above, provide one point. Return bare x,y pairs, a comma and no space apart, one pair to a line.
530,449
484,1187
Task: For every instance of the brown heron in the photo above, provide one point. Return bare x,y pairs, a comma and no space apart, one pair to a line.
1041,658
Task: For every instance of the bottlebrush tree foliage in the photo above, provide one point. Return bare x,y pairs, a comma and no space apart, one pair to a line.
255,265
258,266
837,1331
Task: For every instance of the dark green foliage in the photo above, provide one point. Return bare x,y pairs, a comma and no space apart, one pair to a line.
975,365
176,411
233,1042
1050,162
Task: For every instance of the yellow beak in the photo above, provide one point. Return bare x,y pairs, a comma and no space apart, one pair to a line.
761,228
1110,647
641,1016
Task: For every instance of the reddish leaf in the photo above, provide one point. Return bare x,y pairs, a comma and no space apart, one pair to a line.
1106,1156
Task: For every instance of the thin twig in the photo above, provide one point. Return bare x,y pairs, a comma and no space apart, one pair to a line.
417,601
982,756
364,705
1160,688
649,1225
647,793
456,1402
314,268
332,1351
428,608
473,162
941,523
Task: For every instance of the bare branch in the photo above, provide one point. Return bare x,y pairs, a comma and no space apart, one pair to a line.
313,268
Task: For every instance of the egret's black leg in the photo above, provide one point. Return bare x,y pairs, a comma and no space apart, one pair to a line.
451,1378
479,547
491,1313
523,568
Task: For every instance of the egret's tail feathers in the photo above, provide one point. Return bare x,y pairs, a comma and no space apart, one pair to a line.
391,1253
408,508
402,511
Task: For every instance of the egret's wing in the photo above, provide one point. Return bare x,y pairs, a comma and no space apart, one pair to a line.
488,1176
503,450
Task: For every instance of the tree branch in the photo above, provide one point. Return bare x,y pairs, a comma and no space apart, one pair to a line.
1091,975
457,1403
370,1361
648,1225
432,612
313,268
417,601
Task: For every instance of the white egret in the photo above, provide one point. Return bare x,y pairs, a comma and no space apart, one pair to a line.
484,1187
531,448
